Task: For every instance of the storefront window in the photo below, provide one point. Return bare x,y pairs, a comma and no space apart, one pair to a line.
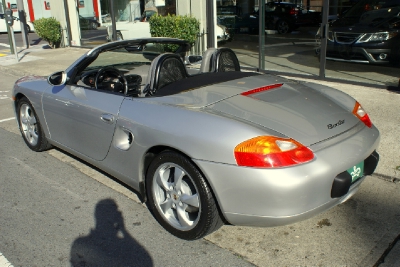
130,16
364,43
363,39
290,29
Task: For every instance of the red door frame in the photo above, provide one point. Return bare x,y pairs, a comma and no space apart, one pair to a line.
31,12
96,9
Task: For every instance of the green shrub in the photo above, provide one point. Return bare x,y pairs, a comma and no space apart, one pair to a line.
49,29
181,27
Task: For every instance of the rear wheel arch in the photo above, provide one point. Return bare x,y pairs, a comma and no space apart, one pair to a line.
180,196
152,153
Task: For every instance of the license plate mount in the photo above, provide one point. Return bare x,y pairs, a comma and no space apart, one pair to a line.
356,172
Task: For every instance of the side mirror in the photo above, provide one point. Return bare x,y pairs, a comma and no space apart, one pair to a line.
57,78
9,17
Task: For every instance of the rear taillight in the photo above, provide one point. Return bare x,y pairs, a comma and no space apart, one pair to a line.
360,113
293,11
271,152
262,89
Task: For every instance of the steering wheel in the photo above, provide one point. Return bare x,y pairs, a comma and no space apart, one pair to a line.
112,80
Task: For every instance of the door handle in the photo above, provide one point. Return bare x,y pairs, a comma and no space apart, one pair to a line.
107,118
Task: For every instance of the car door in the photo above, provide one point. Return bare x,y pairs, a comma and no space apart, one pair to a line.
3,25
82,118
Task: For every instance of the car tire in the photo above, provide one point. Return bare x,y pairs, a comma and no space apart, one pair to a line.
94,26
119,36
180,198
30,127
282,26
28,29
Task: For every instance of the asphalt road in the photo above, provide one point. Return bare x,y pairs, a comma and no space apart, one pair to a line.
33,39
79,219
89,37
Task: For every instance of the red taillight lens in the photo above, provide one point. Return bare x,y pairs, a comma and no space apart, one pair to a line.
271,152
293,11
360,113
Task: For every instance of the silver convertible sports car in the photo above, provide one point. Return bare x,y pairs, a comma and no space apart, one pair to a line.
202,144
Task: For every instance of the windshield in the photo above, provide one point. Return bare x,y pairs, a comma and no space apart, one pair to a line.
363,6
129,56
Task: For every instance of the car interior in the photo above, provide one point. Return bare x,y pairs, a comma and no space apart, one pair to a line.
142,72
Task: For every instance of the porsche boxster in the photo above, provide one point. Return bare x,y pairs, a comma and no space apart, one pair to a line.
202,144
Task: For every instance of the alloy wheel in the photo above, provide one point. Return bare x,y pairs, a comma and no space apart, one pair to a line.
175,196
29,124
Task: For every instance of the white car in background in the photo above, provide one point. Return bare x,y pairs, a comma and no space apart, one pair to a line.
141,29
16,26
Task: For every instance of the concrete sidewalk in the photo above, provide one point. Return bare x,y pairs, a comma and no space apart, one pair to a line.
360,232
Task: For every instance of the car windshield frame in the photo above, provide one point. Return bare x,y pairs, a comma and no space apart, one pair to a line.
122,54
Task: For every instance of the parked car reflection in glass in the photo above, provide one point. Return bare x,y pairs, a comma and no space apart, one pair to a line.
367,33
88,23
285,17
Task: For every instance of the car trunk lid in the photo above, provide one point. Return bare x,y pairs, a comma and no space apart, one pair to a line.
290,108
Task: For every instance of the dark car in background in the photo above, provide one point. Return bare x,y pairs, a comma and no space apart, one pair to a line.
285,17
369,32
232,18
88,23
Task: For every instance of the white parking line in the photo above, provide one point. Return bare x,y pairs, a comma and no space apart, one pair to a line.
13,118
4,262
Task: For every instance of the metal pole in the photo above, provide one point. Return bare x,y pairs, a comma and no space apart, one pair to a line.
261,34
68,22
13,41
210,24
22,19
113,25
324,34
8,30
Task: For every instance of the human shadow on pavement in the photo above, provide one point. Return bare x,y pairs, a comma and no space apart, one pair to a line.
109,244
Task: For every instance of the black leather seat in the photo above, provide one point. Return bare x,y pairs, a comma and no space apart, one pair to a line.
219,60
165,69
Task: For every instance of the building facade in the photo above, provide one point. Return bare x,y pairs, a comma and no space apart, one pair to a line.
293,37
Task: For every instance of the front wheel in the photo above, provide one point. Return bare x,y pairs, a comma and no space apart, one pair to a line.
30,126
180,198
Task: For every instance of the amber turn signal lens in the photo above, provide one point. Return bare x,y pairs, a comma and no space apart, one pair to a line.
271,152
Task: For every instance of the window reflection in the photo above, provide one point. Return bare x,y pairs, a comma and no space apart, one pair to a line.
291,33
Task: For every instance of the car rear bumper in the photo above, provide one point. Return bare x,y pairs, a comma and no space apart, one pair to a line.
272,197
